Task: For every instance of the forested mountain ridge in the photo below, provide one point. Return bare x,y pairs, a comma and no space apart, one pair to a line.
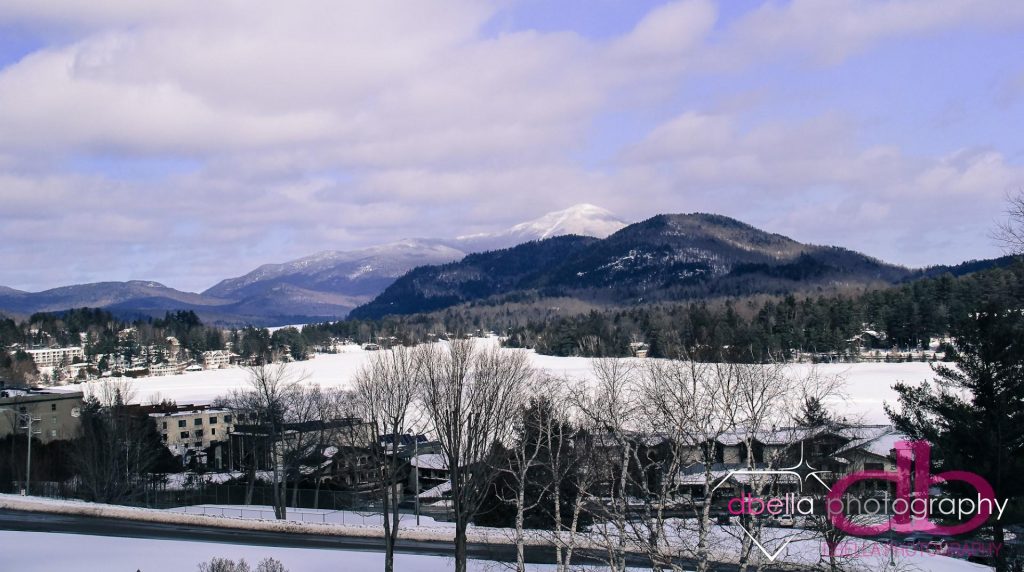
666,257
319,287
474,277
100,295
906,316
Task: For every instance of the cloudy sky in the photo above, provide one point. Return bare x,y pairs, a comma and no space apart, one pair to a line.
186,141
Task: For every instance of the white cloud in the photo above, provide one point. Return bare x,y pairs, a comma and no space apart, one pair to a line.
813,180
295,127
829,31
667,32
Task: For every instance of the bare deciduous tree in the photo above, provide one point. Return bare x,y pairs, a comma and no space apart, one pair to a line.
328,405
110,392
385,392
470,396
691,405
301,445
266,402
520,460
1010,231
566,460
228,565
609,409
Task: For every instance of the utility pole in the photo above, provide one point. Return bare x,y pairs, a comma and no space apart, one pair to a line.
29,420
416,463
28,458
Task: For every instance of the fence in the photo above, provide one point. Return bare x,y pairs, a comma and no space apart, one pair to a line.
160,497
295,514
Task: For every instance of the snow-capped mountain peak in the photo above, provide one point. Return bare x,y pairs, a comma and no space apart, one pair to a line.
355,276
582,219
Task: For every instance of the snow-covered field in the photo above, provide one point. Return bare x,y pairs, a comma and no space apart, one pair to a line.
868,385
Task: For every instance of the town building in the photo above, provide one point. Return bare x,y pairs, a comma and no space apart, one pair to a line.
55,415
833,451
166,368
431,469
344,443
53,357
216,359
192,429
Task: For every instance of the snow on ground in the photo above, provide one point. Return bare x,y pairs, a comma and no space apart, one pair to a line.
364,528
87,553
804,547
22,552
256,512
868,385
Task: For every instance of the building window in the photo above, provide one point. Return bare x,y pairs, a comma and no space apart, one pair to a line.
53,433
198,434
227,419
198,422
53,420
165,425
53,407
213,431
183,435
213,421
181,423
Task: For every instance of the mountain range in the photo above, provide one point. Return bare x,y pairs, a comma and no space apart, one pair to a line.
667,257
323,286
584,252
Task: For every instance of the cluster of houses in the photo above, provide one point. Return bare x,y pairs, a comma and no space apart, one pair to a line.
867,346
71,363
340,451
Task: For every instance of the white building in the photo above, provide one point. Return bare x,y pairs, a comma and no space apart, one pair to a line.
166,368
216,359
52,357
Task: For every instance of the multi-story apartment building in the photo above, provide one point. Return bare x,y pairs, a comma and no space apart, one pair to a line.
166,368
55,415
216,359
52,357
191,428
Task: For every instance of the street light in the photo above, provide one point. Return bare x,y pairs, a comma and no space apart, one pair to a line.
29,420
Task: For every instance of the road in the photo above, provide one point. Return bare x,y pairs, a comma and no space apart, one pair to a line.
98,526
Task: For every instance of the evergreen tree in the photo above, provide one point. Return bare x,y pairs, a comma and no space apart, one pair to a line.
974,413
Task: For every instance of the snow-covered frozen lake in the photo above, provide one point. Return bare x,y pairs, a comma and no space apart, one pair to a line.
868,385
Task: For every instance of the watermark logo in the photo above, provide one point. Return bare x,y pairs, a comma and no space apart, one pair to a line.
912,507
748,504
